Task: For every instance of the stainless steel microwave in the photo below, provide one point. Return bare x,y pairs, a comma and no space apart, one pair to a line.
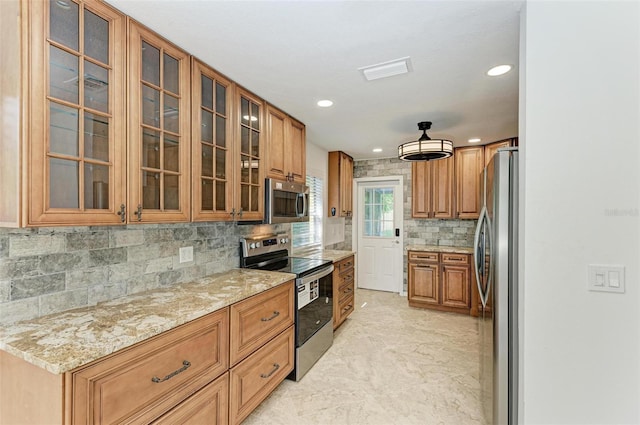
285,202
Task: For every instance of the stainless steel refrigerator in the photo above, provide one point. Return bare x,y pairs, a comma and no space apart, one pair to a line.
496,268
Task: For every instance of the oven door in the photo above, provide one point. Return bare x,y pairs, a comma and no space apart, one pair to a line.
315,314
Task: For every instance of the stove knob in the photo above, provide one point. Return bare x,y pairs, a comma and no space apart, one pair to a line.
282,240
286,240
257,244
252,245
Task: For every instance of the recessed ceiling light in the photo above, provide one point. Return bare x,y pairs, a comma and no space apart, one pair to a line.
475,140
325,103
246,118
376,150
498,70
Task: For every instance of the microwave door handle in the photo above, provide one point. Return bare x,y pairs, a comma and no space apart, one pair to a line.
304,205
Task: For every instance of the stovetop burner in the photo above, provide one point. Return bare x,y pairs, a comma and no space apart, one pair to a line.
271,253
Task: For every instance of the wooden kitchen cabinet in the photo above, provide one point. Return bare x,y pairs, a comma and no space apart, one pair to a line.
249,186
286,147
432,188
344,273
439,281
469,163
140,384
63,95
491,148
340,185
159,129
213,149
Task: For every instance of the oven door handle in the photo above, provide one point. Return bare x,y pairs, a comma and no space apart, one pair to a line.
317,275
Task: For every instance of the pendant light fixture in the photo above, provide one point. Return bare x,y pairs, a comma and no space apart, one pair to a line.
425,148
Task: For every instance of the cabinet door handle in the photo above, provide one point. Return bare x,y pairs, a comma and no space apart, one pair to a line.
185,366
122,213
276,366
268,319
139,212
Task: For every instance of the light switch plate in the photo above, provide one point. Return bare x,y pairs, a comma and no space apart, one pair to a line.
186,254
605,278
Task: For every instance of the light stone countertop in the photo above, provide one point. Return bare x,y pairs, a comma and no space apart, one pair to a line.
441,248
64,341
325,254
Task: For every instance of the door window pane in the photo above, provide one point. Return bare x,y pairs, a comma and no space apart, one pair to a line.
244,111
150,106
150,148
63,78
96,37
63,129
255,143
96,137
244,140
221,157
171,74
207,91
221,131
171,114
207,126
254,198
171,153
150,64
207,161
96,87
221,99
171,192
207,195
221,196
63,18
150,190
96,186
63,183
255,113
378,212
245,163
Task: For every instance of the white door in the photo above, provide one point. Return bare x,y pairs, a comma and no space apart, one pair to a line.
378,226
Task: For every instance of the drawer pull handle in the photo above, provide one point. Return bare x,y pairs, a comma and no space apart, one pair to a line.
347,290
276,366
267,319
185,366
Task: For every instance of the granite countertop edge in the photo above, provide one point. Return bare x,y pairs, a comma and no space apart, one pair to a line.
334,255
64,341
441,248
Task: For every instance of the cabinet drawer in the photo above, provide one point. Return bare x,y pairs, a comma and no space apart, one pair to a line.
455,258
252,380
345,291
431,257
207,406
139,384
256,320
346,264
345,307
346,277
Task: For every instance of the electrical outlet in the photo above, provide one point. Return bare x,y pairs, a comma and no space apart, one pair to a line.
186,254
605,278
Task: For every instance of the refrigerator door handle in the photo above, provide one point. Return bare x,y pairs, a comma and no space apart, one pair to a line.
480,255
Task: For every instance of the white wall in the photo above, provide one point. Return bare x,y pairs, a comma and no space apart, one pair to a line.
581,138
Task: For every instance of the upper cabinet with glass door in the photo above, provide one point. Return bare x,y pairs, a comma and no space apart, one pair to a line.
212,150
159,124
75,130
250,184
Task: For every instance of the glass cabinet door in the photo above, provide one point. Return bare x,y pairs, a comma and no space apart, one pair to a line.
212,193
159,129
78,120
251,181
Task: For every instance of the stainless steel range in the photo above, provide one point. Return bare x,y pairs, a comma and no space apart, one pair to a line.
314,303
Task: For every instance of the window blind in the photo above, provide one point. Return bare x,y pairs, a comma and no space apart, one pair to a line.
310,233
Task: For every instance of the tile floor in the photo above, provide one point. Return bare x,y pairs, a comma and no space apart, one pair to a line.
389,365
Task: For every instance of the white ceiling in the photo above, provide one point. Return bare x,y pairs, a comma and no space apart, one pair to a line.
294,53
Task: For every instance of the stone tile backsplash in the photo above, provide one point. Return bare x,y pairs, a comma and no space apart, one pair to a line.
46,270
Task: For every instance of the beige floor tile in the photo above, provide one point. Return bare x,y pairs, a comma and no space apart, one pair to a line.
389,365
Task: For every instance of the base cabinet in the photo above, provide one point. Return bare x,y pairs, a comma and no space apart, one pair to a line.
181,376
344,273
439,281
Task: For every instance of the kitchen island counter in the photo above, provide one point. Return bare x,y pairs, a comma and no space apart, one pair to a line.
64,341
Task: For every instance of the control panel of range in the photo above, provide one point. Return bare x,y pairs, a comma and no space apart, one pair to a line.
257,245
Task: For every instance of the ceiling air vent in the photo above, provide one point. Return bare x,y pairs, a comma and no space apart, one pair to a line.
386,69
